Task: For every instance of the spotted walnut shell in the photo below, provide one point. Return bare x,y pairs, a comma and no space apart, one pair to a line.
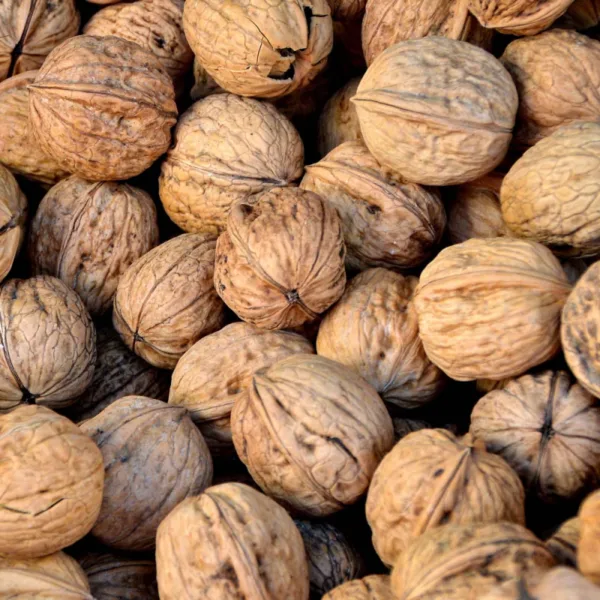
13,216
373,587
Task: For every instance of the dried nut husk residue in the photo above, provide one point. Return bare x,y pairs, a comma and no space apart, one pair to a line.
52,478
588,549
250,548
490,309
564,542
13,217
373,587
226,149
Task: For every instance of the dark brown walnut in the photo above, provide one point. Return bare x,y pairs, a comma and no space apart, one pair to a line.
347,10
154,458
88,233
218,369
258,48
402,426
373,330
204,84
226,149
250,548
387,222
588,554
490,309
166,300
563,543
582,14
311,433
52,479
13,220
437,111
373,587
281,261
103,108
48,343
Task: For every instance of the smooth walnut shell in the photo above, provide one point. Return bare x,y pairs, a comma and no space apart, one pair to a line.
204,84
563,543
87,234
588,549
108,121
437,111
226,149
373,587
311,433
257,48
52,479
238,544
373,330
218,369
281,261
48,343
13,220
387,222
166,301
490,309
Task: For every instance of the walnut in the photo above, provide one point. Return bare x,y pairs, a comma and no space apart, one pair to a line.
373,330
402,427
257,48
218,369
490,309
108,122
13,217
582,14
281,261
560,583
52,479
387,222
250,548
311,433
373,587
204,84
226,149
431,131
563,543
48,343
588,555
166,301
347,10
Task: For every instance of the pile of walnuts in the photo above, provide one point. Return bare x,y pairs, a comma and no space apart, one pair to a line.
300,299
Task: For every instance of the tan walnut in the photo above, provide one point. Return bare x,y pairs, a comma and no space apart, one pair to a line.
387,222
490,309
52,480
250,548
257,48
373,587
103,122
226,149
311,433
564,541
13,218
588,549
166,301
430,131
373,330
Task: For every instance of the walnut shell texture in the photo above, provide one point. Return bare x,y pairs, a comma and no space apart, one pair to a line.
588,555
250,548
110,121
347,10
582,14
226,149
13,217
52,478
281,261
373,587
490,309
311,433
437,111
166,301
402,426
561,582
564,542
204,84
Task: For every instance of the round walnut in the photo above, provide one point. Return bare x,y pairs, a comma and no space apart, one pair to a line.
218,369
226,149
52,479
588,554
563,543
260,48
386,221
48,343
154,457
13,217
311,433
373,330
103,108
87,234
166,301
281,261
250,548
437,111
204,84
373,587
490,309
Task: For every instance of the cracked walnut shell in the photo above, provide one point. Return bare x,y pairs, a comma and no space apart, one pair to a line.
373,587
13,217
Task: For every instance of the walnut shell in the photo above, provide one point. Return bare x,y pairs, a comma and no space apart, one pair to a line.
387,222
311,433
563,543
402,427
48,343
588,555
373,587
574,268
13,220
218,369
259,48
490,309
281,261
226,149
373,330
52,479
582,14
109,121
437,111
204,84
560,583
347,10
250,548
166,301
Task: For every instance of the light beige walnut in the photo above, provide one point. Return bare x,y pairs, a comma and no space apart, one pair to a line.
13,220
373,587
563,543
204,84
588,549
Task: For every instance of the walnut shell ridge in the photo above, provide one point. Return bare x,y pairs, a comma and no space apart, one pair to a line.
372,587
13,220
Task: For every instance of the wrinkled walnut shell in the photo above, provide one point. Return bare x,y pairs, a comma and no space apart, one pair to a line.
13,217
563,543
373,587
